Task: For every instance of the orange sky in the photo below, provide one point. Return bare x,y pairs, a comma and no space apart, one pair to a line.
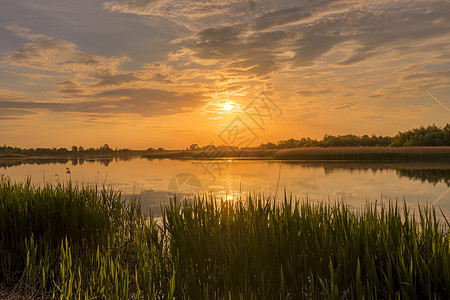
153,73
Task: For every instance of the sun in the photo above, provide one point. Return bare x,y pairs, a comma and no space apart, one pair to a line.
228,106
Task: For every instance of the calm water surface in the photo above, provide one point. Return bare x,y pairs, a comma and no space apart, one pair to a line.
154,180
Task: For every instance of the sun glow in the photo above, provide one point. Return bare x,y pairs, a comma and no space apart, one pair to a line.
228,106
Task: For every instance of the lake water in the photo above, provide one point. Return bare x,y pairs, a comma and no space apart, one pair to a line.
154,180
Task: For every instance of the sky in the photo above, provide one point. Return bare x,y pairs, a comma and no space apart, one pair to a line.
165,73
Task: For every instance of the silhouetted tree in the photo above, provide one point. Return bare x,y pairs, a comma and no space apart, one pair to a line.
423,136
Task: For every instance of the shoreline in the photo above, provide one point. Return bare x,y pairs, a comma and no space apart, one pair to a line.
315,154
383,154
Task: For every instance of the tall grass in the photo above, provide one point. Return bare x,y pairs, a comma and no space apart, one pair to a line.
379,154
79,243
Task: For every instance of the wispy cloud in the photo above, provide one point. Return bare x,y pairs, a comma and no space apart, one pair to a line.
193,15
49,54
345,106
30,75
314,92
143,102
349,60
94,85
307,33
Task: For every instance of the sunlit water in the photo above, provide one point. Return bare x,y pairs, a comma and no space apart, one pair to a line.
154,180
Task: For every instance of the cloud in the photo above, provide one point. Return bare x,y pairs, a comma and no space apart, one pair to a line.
25,33
141,77
174,7
348,51
70,88
49,54
14,114
200,14
144,102
148,102
345,106
139,7
279,18
236,49
313,47
307,116
429,74
30,75
314,92
303,35
237,42
115,79
193,15
113,93
375,29
10,94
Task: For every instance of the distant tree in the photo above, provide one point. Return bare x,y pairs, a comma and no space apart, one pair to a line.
269,145
62,151
106,148
291,143
193,147
431,135
74,149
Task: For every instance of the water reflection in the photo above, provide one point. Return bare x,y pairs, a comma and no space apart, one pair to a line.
433,173
74,161
433,176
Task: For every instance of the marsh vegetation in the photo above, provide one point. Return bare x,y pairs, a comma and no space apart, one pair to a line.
73,242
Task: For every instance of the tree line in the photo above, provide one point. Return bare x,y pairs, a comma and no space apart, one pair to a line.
431,135
74,150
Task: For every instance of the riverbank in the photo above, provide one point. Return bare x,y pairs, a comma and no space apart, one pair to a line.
7,161
306,153
315,153
72,243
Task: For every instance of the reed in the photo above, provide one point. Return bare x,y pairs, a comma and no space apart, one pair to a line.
69,242
379,154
